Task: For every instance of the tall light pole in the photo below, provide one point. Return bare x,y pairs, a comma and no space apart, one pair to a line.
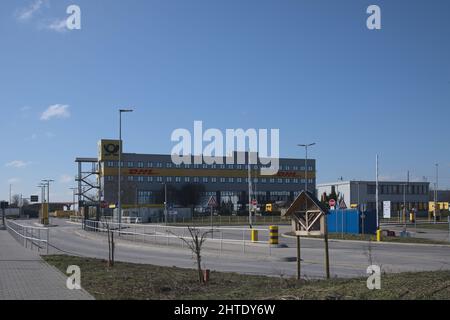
47,184
73,194
377,195
436,186
306,146
119,201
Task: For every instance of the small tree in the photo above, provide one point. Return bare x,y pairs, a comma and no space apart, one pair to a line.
195,243
111,245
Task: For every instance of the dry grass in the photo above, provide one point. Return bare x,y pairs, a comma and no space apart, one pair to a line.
128,281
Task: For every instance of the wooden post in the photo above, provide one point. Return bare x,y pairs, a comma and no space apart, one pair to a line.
299,259
327,256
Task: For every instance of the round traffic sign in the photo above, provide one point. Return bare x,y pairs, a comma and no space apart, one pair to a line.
332,203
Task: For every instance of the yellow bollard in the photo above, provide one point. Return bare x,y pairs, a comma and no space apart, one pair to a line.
379,235
255,236
273,236
411,217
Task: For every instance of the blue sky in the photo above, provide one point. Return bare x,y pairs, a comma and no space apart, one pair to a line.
310,68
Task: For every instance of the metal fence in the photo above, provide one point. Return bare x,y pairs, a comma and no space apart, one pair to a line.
219,239
34,238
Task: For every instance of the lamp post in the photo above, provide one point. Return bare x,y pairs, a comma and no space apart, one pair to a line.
119,201
306,146
73,194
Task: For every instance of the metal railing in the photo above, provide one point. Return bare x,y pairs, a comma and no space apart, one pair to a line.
218,238
32,237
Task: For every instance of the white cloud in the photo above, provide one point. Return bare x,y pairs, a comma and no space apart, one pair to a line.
66,178
58,111
27,13
17,164
58,25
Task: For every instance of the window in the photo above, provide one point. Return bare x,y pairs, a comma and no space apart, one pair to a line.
213,180
168,165
239,180
230,180
140,179
140,164
280,180
159,179
159,165
130,178
222,180
150,164
205,166
178,179
149,179
109,178
130,164
187,179
263,180
295,168
110,164
272,180
196,180
144,197
169,179
205,180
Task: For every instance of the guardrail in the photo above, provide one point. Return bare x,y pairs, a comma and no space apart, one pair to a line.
218,238
33,237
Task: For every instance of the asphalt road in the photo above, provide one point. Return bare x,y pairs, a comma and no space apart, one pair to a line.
348,259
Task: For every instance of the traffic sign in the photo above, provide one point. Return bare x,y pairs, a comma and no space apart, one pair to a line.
332,202
34,199
342,204
212,202
254,202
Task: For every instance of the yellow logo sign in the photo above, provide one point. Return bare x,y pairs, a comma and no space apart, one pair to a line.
109,150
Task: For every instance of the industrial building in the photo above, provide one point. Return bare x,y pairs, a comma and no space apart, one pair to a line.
146,177
362,195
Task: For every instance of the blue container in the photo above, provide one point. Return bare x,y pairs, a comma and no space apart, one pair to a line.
352,221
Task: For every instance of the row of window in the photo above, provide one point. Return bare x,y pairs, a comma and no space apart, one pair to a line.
148,197
398,189
169,165
142,179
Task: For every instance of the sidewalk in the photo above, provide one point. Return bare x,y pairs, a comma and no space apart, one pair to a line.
25,276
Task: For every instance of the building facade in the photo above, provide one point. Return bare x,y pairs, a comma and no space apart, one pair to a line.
362,194
146,176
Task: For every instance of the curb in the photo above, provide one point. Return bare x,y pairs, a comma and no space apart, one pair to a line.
372,242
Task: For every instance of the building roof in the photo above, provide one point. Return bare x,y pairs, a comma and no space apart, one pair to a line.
367,182
308,198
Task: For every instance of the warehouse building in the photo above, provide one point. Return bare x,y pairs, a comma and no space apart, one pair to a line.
145,178
362,194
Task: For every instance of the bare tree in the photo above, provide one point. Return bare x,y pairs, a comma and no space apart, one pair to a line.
111,244
195,243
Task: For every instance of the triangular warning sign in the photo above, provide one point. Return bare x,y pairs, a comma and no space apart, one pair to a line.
212,202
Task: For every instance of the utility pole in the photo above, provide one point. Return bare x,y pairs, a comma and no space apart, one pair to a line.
299,259
377,195
306,146
436,192
119,201
166,213
327,254
250,222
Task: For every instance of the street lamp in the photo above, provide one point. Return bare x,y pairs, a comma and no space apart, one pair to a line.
73,193
306,146
47,184
119,202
